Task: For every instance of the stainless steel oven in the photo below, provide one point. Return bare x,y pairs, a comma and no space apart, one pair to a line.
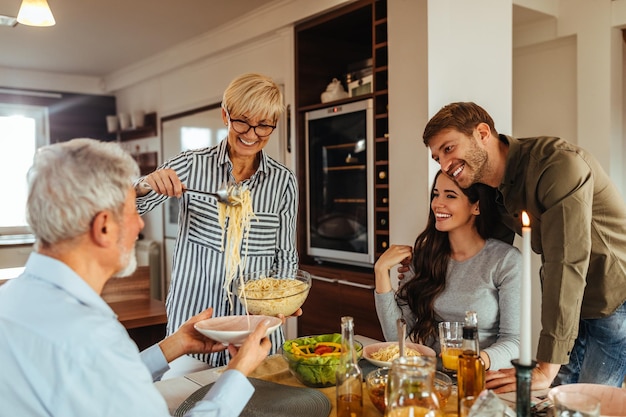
340,183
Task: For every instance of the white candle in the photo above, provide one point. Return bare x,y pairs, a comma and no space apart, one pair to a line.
525,319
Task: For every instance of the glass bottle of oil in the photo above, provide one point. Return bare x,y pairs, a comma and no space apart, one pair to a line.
349,376
471,372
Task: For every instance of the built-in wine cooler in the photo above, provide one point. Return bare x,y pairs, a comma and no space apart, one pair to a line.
340,183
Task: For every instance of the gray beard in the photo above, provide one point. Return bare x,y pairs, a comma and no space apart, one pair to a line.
130,260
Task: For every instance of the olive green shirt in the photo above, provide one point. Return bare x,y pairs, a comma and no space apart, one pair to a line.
578,221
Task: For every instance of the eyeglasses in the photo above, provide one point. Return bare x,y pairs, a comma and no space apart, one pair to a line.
242,127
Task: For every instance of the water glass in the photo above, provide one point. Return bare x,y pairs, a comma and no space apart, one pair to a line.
576,404
450,340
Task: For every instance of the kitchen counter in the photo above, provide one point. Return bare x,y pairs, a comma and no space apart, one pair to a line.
17,240
10,273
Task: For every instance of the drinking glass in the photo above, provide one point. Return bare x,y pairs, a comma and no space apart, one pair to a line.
443,388
466,405
450,340
576,404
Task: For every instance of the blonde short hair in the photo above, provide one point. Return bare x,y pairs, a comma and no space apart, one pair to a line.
253,95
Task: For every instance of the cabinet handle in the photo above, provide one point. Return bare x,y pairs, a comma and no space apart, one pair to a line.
356,284
323,279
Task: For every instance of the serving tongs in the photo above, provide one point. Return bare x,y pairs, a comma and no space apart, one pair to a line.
228,193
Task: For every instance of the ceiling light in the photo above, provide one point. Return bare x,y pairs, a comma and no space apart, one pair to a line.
35,13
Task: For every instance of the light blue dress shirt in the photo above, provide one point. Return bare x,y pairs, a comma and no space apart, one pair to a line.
64,353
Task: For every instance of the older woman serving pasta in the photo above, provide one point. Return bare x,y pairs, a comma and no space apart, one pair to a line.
216,243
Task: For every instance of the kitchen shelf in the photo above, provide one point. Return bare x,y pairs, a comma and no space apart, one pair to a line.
149,129
326,47
349,200
346,168
341,145
316,106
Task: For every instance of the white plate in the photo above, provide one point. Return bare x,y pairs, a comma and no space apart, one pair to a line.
612,399
375,347
234,329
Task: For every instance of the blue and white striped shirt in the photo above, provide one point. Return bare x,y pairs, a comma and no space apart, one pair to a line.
198,269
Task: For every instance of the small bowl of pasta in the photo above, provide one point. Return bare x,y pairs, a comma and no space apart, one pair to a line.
382,354
273,292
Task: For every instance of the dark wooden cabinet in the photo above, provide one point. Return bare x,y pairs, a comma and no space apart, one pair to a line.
321,312
336,293
330,46
381,125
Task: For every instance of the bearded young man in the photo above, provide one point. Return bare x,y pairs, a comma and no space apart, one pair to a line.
579,229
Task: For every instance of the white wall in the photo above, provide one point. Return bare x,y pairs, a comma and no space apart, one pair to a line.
407,35
544,90
544,103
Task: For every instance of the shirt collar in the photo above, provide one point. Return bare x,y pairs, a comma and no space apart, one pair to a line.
58,274
224,159
513,158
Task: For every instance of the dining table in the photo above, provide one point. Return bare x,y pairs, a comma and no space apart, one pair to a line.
275,369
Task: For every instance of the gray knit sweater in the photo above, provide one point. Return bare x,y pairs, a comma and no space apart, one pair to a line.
487,283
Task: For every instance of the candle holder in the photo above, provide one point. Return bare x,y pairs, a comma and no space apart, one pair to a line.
522,380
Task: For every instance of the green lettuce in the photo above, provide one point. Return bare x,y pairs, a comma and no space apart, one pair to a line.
315,371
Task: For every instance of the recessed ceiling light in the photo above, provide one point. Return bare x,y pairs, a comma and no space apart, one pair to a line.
8,21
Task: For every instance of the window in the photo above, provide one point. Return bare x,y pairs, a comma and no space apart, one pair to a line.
23,129
200,137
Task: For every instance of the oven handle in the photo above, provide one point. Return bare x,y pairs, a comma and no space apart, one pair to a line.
318,278
356,284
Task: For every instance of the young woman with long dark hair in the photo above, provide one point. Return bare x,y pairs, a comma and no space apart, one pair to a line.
455,266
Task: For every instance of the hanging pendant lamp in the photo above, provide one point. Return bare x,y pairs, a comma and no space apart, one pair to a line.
35,13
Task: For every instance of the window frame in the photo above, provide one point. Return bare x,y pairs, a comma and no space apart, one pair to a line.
42,138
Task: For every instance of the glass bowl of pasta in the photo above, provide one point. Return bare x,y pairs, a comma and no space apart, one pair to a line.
313,360
383,353
273,292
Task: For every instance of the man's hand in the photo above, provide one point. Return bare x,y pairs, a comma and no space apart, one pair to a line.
188,340
504,380
252,352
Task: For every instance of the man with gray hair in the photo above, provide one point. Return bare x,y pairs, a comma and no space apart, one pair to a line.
62,349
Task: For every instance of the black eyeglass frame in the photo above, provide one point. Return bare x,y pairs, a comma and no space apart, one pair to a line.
249,126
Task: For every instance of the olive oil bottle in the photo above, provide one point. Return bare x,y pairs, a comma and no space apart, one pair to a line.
471,372
349,376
